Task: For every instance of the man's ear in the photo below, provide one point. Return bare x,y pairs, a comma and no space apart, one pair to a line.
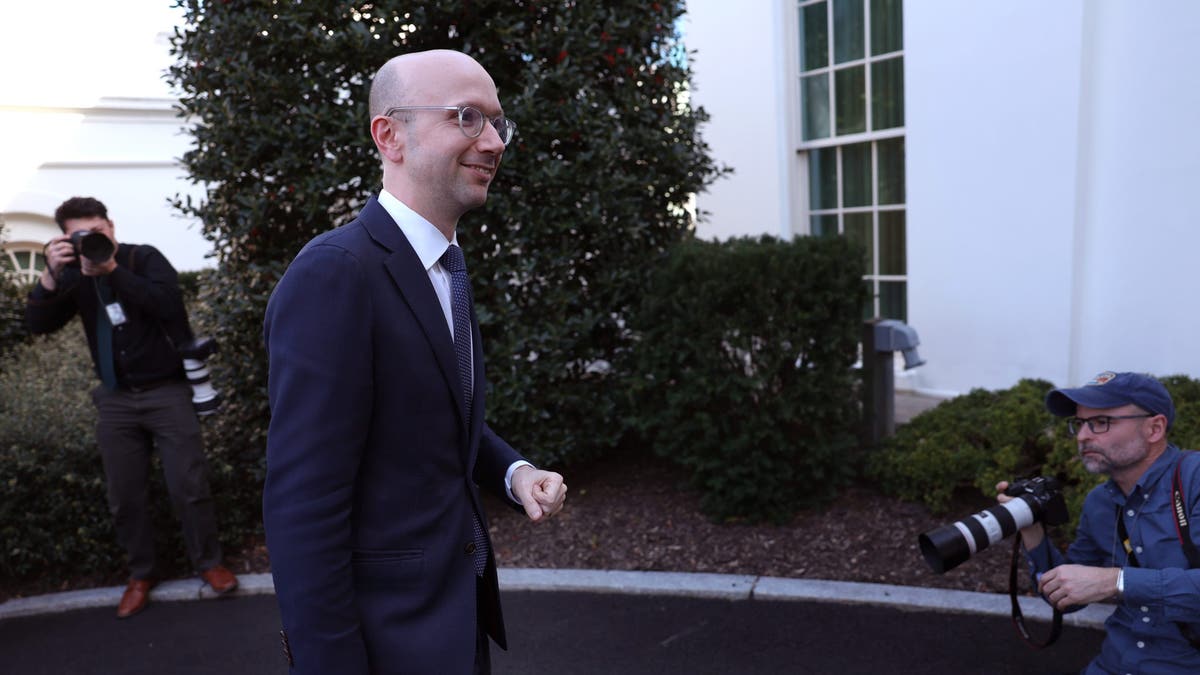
1156,428
389,143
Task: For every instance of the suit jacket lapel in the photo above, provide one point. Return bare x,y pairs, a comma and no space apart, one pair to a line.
411,278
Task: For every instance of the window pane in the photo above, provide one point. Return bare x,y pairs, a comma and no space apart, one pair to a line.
823,226
822,179
891,242
814,30
893,300
24,259
891,171
856,175
39,262
887,28
887,93
816,106
848,30
850,89
858,229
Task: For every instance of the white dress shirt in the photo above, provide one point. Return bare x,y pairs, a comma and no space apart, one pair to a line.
430,244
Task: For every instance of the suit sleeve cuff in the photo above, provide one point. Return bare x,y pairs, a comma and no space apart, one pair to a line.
508,478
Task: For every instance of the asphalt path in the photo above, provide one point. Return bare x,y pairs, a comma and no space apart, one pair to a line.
567,632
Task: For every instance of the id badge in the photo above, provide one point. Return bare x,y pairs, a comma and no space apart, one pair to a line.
116,315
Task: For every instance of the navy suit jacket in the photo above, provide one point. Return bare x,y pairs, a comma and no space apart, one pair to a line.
373,471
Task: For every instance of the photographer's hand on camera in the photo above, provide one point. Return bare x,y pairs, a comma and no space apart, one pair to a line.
1031,536
59,253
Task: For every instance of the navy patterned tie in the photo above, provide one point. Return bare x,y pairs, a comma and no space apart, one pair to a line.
460,304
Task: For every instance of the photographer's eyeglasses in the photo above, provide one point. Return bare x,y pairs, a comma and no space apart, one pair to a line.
1098,424
470,120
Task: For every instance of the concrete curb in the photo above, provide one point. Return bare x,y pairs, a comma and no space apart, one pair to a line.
713,586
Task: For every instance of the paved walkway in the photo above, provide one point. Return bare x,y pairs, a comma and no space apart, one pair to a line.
580,621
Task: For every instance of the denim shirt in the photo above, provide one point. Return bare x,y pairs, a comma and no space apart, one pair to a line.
1142,636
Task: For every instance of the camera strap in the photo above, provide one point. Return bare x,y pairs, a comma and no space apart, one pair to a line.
1182,529
1017,617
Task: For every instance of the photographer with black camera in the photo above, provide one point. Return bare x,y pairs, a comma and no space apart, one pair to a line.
132,312
1134,544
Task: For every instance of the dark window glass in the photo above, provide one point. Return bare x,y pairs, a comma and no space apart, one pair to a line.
814,30
849,30
893,300
891,171
887,26
824,225
858,229
891,243
816,106
887,93
856,175
850,106
822,179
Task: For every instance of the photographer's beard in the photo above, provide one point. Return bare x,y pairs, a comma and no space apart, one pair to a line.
1107,458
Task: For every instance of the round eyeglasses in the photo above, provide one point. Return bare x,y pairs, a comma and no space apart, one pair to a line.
1098,424
470,120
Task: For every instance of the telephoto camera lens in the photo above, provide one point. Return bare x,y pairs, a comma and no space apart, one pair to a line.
94,246
205,399
1035,499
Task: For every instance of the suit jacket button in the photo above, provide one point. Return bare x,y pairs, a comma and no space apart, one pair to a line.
470,548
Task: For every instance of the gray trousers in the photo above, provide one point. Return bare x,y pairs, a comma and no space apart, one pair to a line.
131,426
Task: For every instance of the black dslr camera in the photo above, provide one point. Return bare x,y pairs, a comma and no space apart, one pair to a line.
94,246
1036,500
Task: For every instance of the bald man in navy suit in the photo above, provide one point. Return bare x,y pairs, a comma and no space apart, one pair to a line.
377,447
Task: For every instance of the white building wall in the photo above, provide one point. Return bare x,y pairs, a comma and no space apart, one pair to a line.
992,110
739,81
84,111
1140,235
1051,161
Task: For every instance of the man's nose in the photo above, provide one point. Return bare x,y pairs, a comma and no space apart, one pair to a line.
490,140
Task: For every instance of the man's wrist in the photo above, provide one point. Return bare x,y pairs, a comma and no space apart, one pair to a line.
512,468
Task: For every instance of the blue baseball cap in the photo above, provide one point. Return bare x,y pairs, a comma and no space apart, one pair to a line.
1113,390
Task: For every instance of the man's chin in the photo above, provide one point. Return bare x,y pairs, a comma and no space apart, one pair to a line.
1094,464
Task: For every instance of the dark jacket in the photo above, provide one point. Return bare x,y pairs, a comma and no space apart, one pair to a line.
147,287
373,471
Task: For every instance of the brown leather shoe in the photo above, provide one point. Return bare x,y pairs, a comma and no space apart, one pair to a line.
220,578
134,599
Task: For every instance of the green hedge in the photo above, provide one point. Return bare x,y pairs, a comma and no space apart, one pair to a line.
746,350
54,519
12,303
968,444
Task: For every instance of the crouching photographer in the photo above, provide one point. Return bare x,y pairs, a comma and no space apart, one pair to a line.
1134,544
129,302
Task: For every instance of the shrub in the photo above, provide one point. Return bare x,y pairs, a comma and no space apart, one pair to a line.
12,303
54,518
53,513
746,349
972,442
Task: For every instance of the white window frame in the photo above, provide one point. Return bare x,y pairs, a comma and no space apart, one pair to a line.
803,222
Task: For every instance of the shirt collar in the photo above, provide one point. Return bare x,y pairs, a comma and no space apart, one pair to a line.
426,240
